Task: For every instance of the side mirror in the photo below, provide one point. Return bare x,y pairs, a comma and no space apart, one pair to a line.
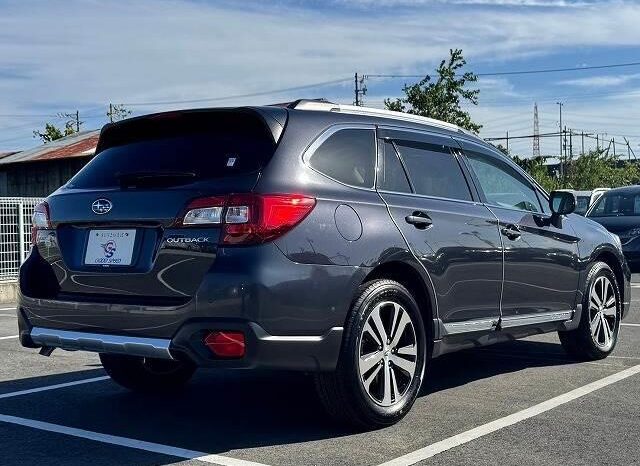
562,202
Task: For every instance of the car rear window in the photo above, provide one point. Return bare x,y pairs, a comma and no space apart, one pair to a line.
178,149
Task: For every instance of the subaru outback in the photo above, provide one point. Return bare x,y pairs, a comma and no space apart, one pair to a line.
351,243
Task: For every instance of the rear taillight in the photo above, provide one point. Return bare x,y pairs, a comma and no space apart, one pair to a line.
250,218
40,220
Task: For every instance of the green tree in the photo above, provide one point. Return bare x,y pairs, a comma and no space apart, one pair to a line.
52,132
117,112
441,98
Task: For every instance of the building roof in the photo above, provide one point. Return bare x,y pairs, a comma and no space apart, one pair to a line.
81,144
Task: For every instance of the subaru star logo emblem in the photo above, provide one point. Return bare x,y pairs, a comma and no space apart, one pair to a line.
101,206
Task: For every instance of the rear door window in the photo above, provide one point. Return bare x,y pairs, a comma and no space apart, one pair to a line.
348,156
391,174
433,170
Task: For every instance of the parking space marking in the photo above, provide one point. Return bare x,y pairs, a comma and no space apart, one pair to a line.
53,387
128,442
9,337
7,308
493,426
9,315
630,325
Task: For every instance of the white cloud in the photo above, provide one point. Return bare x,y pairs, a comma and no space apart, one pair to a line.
601,81
147,50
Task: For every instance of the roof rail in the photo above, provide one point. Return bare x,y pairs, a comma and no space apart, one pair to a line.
355,110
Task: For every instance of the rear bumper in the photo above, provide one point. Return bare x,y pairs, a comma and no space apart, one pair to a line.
263,350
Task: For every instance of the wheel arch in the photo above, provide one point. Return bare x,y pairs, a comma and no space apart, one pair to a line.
615,264
408,275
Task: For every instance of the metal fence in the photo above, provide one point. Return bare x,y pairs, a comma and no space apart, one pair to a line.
15,233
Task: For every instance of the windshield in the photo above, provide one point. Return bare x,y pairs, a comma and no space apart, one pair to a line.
616,205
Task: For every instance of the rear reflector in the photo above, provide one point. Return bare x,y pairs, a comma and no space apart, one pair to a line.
226,344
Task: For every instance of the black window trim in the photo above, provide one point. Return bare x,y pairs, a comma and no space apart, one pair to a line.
330,131
454,150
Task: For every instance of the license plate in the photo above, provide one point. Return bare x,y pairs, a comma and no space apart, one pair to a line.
110,247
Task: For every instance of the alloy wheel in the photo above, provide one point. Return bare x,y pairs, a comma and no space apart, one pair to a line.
387,356
603,312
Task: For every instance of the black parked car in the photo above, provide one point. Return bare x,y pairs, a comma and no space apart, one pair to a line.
353,243
618,210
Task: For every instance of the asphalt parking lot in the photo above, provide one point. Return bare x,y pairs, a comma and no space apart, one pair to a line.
522,402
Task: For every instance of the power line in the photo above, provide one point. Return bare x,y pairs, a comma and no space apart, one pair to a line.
240,96
510,73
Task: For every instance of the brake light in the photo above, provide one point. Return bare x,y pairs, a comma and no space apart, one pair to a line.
250,218
40,220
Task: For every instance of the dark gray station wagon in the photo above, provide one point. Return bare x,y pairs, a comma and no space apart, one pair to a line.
353,243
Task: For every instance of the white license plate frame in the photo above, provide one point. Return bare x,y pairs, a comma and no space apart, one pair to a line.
110,247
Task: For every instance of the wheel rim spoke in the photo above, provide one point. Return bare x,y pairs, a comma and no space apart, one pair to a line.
595,325
369,360
386,399
368,329
606,331
399,331
407,350
371,378
404,364
394,383
377,321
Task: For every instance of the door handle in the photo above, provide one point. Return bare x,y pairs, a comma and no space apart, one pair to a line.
512,232
419,220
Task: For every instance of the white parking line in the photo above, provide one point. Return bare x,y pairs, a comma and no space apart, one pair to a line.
493,426
7,308
9,337
128,442
630,325
9,315
52,387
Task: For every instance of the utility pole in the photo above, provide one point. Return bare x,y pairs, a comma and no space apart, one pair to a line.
582,134
613,141
597,142
560,104
536,132
507,141
77,121
359,89
570,143
110,113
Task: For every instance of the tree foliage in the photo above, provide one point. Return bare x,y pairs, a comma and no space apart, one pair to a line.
118,112
51,132
441,98
595,169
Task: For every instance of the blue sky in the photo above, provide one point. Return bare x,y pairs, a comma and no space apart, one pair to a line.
62,56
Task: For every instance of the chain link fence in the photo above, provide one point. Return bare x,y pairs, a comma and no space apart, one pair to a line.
15,233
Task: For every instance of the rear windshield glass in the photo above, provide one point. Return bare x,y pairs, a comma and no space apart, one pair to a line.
616,205
180,150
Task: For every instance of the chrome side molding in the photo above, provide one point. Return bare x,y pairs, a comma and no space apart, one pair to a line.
99,343
485,325
531,319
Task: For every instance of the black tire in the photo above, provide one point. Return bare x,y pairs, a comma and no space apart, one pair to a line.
146,374
343,393
580,343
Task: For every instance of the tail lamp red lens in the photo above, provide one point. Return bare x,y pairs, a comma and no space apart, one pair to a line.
250,218
40,220
226,344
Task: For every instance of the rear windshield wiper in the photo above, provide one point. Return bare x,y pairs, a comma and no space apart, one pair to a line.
145,178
